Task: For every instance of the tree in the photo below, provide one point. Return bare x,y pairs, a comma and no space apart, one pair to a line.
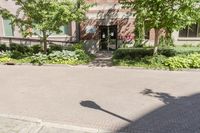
45,17
168,15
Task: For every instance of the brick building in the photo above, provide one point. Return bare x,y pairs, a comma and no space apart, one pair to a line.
106,27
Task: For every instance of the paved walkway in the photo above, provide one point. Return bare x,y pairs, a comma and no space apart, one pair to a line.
111,99
18,124
103,59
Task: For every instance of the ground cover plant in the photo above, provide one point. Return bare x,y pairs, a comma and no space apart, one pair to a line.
57,54
173,58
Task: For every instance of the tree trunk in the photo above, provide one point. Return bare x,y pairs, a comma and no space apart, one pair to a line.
45,46
169,39
156,41
44,39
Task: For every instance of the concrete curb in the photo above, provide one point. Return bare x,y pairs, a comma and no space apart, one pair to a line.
43,124
106,67
21,118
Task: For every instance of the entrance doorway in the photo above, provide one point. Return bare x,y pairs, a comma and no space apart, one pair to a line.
108,37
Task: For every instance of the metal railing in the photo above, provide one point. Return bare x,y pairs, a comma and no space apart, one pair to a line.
30,41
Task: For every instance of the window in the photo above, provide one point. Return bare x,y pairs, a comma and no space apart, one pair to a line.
8,28
65,30
190,31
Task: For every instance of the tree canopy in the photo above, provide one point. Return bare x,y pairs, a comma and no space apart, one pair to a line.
169,15
46,16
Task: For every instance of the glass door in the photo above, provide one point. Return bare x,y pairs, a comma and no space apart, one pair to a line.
108,37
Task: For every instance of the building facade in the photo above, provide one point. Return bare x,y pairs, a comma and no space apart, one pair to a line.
69,31
107,26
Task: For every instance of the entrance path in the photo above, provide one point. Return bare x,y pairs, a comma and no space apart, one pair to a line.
113,99
103,59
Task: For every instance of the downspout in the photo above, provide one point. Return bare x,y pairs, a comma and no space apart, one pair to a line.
78,27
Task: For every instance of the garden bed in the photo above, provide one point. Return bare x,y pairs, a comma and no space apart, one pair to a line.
174,58
57,54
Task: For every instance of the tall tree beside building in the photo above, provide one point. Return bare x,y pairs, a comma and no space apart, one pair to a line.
169,15
45,17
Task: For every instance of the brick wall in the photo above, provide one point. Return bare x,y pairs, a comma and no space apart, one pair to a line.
124,27
104,13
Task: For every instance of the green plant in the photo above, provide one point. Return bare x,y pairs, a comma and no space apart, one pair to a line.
166,42
183,61
39,59
133,53
13,46
73,47
187,45
180,50
5,59
81,55
16,55
154,60
36,49
198,45
167,51
124,53
55,47
45,16
3,47
169,15
20,48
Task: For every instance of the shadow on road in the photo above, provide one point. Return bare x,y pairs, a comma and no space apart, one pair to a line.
93,105
164,97
178,115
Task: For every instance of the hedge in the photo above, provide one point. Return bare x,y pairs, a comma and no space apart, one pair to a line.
133,53
127,53
3,47
186,50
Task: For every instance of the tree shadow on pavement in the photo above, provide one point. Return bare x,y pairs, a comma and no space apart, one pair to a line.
93,105
164,97
178,115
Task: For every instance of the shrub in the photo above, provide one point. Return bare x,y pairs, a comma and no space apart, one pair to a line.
177,63
20,48
141,53
183,61
55,47
82,55
73,47
39,59
168,52
129,54
64,55
186,50
154,60
16,55
3,47
36,49
61,57
13,47
4,59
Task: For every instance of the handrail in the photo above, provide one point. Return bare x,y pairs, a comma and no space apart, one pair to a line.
11,39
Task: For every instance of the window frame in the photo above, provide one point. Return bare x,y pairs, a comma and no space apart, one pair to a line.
61,35
188,31
3,28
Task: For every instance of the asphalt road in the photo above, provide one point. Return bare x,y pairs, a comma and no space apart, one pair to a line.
113,99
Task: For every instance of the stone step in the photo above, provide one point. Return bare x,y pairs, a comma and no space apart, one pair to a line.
103,59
